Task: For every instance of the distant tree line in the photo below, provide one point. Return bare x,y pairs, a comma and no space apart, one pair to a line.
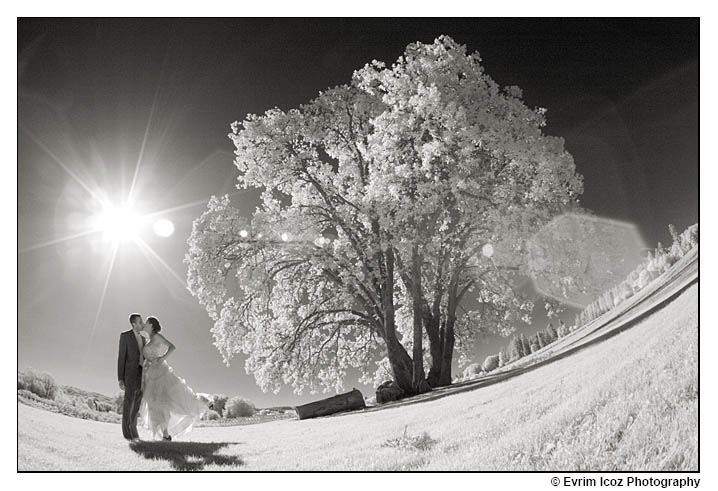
656,263
40,389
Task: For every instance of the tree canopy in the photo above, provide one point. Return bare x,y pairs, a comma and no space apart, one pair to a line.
392,224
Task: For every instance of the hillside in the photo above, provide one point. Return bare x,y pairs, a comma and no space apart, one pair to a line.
86,394
627,403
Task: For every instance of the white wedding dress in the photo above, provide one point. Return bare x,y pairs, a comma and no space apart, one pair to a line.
167,401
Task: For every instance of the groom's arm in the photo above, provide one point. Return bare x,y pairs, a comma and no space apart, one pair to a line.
121,358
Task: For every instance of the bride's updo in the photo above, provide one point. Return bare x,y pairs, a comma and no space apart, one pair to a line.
155,324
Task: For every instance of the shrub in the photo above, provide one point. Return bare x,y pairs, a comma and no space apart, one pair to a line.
684,242
94,404
471,371
676,251
28,395
563,329
239,408
407,442
502,358
39,383
490,363
210,415
624,292
672,256
659,264
540,339
526,344
673,232
691,235
104,407
516,349
63,398
219,402
645,278
550,333
533,340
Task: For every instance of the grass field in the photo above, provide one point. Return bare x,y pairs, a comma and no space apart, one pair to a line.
629,403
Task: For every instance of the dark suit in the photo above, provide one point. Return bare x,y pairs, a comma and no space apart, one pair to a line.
129,371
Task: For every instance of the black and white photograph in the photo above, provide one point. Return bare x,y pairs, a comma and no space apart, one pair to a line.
359,244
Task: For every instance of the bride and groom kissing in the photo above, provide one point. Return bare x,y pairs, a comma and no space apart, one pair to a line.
154,394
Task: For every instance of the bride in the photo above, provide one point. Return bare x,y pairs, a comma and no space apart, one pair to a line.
169,407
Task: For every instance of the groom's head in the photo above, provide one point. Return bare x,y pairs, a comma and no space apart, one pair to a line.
136,321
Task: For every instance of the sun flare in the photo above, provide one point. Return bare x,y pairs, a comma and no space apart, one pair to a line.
119,223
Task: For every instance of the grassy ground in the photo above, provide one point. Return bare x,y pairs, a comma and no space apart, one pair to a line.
629,403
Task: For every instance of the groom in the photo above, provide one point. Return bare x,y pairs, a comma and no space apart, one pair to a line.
129,374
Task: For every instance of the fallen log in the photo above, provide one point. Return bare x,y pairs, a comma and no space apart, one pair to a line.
335,404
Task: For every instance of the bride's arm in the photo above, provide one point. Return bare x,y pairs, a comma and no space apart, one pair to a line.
170,348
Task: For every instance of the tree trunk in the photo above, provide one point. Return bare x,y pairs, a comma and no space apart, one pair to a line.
418,380
448,338
401,365
423,320
431,324
432,320
447,354
399,359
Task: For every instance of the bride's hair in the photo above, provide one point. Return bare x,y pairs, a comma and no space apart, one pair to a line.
155,324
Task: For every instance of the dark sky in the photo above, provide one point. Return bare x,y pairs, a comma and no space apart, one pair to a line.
623,93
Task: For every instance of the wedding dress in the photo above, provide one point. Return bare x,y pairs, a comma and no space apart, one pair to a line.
167,401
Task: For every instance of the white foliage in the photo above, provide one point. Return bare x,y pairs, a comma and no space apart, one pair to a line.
428,152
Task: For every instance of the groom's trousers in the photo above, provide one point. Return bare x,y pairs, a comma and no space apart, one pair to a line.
131,406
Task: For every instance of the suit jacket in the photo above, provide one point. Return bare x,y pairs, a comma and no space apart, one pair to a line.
128,359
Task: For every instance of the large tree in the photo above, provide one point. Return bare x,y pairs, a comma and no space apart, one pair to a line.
314,288
388,205
466,169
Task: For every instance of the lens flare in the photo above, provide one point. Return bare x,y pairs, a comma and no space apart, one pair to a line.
576,257
164,227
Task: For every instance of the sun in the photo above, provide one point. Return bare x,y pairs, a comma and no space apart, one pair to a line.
118,223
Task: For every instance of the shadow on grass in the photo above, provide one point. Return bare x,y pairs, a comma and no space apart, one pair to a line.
186,456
